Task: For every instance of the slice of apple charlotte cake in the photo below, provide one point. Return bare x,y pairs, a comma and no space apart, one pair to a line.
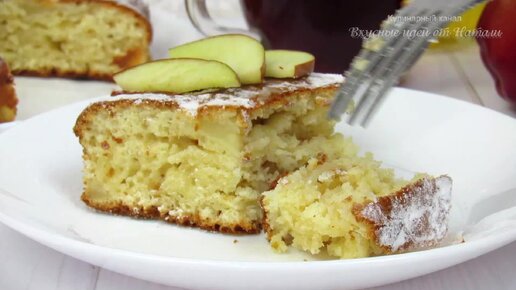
203,159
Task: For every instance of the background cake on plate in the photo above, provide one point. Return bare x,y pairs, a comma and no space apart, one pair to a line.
79,38
202,159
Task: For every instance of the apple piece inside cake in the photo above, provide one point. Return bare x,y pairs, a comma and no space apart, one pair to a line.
351,207
204,159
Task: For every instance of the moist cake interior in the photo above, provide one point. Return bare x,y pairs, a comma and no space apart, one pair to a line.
204,159
351,207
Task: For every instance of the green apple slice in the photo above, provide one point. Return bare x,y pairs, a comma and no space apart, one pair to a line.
288,63
245,55
177,76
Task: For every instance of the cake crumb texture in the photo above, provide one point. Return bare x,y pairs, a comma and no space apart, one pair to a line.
351,207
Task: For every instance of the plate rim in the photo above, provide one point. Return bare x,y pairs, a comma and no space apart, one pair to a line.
506,237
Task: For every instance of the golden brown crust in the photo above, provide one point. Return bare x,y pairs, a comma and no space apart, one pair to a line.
8,99
283,98
56,72
135,56
266,225
111,106
273,100
274,183
119,208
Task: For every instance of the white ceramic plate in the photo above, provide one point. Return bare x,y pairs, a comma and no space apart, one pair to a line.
40,181
6,126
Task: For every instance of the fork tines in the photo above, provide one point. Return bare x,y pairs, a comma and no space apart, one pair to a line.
386,55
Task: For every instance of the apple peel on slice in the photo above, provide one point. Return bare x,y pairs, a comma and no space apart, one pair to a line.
244,54
177,76
288,63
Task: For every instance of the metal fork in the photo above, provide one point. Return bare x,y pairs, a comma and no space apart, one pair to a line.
388,54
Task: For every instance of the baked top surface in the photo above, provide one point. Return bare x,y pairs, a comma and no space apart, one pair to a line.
247,97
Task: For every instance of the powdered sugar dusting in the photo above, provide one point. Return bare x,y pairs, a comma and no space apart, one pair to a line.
415,219
321,80
246,97
315,80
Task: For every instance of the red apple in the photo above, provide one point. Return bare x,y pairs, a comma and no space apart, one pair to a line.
499,53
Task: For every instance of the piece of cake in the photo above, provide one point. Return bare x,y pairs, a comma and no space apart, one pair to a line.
8,99
202,159
351,207
79,38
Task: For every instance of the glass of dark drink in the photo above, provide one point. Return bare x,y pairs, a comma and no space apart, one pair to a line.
323,28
